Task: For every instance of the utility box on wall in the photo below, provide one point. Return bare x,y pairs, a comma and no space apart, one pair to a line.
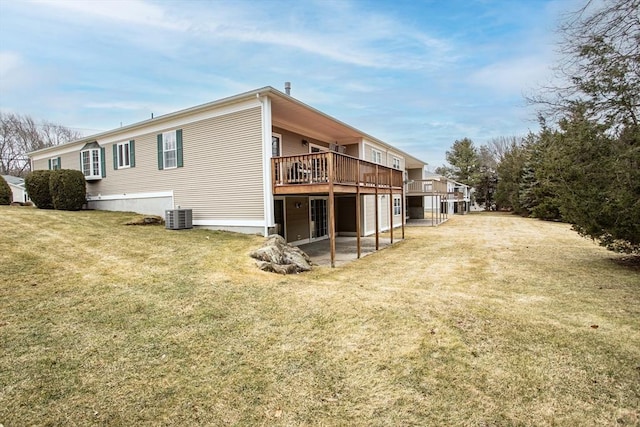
178,219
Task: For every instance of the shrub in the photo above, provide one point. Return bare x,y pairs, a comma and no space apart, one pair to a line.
37,185
68,189
6,195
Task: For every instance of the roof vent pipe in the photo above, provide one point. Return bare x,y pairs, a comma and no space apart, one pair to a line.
287,88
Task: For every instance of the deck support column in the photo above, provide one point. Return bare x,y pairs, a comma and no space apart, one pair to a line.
391,216
376,213
402,213
358,231
433,206
332,214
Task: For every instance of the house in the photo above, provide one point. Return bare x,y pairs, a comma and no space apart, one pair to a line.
458,197
17,188
258,162
426,194
432,196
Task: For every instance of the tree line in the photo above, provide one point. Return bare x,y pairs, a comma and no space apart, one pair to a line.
21,134
583,165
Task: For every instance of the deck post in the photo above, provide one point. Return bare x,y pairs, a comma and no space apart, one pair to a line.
332,214
403,216
391,216
433,206
358,231
376,212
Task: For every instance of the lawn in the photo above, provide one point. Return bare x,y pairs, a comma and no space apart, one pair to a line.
487,320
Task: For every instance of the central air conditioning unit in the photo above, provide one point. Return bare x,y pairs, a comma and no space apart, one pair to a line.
178,219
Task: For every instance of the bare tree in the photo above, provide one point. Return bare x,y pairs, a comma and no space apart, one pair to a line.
20,135
600,64
498,147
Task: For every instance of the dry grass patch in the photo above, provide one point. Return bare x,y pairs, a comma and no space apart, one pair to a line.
486,320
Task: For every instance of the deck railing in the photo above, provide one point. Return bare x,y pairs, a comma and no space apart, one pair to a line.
426,186
457,195
331,167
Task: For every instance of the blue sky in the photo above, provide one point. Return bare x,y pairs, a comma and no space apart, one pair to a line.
416,74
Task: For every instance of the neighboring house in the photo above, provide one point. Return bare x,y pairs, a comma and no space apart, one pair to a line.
458,197
258,162
426,197
433,196
17,188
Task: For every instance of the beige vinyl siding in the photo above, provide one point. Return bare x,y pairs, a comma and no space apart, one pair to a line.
292,142
352,150
222,173
368,153
415,174
67,160
391,155
44,164
386,156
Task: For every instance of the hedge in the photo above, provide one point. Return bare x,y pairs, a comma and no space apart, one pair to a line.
68,189
37,185
6,195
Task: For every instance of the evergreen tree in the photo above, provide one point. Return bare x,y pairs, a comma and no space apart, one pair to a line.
510,173
486,178
594,158
463,158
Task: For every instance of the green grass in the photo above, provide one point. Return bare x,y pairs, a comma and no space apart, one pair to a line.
484,321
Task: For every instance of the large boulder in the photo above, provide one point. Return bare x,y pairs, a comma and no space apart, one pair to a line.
279,257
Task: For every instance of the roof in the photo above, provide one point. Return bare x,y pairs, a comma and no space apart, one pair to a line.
15,180
438,177
280,102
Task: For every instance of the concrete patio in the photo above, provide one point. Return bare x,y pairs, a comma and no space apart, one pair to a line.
346,249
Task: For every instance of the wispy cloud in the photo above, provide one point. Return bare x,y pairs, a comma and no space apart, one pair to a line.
514,75
378,42
419,74
132,12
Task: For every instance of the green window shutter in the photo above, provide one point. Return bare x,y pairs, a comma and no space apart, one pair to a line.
179,147
132,153
59,162
49,164
160,162
115,156
103,161
81,165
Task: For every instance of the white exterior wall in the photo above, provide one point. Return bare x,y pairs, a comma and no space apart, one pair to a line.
384,207
19,193
384,210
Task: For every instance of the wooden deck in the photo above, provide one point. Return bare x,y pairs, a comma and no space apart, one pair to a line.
430,187
333,173
316,173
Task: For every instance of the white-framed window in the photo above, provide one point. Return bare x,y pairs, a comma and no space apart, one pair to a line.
397,205
170,149
91,162
124,155
55,163
376,156
396,163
